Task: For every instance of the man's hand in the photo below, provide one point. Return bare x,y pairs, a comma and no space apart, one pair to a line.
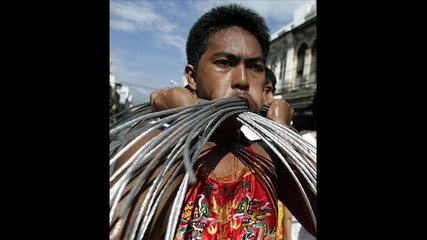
168,98
280,111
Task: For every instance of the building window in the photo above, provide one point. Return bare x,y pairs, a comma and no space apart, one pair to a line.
282,68
313,67
299,81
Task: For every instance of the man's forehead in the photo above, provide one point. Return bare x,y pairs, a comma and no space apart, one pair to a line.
236,41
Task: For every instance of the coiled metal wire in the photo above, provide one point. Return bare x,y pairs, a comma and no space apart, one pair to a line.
186,131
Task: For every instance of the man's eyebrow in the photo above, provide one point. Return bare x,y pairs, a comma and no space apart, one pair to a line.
255,59
226,55
233,56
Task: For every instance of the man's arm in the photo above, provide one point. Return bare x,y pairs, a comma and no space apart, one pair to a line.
160,100
291,196
168,98
281,112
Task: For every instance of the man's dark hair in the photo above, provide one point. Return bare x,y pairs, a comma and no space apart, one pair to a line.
220,18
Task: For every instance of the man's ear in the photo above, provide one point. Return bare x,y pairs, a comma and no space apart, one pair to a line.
190,75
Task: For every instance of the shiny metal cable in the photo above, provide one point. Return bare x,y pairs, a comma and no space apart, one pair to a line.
185,131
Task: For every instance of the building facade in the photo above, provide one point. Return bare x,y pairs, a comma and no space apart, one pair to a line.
120,96
292,58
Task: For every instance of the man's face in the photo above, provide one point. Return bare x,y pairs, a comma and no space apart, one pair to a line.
268,92
232,66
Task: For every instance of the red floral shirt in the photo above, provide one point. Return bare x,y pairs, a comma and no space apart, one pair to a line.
231,207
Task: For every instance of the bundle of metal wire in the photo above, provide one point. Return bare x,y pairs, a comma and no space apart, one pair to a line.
185,131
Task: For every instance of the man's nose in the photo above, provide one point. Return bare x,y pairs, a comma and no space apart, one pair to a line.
240,77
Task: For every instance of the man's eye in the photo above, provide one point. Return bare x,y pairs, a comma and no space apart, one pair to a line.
259,68
256,67
222,63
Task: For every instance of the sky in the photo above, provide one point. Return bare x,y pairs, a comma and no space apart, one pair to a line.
147,37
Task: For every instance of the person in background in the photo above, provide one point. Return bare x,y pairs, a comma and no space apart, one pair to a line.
284,218
288,226
269,86
298,231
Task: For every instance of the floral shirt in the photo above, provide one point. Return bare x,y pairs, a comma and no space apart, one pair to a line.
231,207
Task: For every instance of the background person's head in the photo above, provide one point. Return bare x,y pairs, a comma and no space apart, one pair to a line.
269,86
226,53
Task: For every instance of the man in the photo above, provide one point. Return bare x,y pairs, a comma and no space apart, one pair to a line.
288,227
269,86
226,53
284,218
267,99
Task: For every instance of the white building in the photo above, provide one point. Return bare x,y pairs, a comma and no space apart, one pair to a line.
120,96
292,58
